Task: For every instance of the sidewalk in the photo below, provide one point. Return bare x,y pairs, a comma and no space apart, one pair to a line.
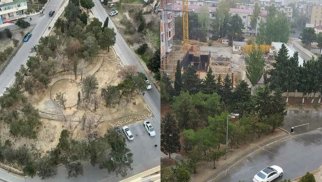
205,171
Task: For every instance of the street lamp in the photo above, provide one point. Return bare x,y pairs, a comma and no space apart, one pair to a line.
231,115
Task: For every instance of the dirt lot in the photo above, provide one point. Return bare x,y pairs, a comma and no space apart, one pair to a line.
81,121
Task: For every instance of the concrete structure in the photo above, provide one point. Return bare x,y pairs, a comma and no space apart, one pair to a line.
167,29
276,46
12,10
237,46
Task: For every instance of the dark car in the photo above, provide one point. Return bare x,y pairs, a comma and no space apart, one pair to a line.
27,37
51,13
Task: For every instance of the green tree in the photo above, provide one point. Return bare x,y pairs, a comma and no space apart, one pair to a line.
72,11
178,79
278,75
227,91
186,113
87,4
254,17
83,18
209,83
190,81
170,139
89,86
319,41
308,177
255,66
111,95
182,173
308,36
167,90
235,27
276,28
91,47
120,158
46,168
74,169
242,99
107,38
105,25
22,23
154,64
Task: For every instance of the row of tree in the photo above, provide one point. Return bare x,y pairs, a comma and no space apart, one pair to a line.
199,110
108,152
309,36
288,76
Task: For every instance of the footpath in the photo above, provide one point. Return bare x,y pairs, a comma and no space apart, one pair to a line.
206,173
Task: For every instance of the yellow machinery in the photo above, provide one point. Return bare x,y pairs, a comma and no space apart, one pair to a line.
185,22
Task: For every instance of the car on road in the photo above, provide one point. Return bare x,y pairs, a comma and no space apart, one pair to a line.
149,128
114,12
27,37
128,133
148,84
268,174
51,13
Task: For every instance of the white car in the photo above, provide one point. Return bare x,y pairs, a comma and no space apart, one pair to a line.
148,84
113,13
149,128
128,132
268,174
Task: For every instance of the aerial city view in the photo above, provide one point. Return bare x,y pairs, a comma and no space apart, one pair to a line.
78,85
160,90
241,84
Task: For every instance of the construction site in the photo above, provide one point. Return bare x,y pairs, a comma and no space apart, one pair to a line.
216,55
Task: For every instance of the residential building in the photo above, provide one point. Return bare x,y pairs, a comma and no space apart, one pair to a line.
167,30
12,10
316,15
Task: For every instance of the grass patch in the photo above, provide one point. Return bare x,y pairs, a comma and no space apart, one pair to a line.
153,37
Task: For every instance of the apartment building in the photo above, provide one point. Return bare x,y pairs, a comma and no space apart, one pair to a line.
12,10
316,15
167,30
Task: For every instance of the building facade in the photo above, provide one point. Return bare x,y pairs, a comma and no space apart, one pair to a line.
12,10
316,15
167,30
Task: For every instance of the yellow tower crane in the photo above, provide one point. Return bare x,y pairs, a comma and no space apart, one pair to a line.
185,22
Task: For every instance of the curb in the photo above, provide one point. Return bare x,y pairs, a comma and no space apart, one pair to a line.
249,151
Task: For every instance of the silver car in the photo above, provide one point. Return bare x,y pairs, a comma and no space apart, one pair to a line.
114,13
128,133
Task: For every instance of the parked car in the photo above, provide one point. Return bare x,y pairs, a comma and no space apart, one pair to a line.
128,133
268,174
27,37
114,12
51,13
149,128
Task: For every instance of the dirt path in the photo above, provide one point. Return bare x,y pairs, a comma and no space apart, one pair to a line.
206,172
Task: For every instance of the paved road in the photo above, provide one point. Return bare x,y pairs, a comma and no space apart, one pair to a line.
128,57
8,76
145,154
296,155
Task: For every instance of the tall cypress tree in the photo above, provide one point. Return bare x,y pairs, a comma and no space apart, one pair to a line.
178,79
191,81
170,142
209,85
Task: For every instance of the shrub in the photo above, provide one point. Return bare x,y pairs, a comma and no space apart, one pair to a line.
8,33
141,50
22,23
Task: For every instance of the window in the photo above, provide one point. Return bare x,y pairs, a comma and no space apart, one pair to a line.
169,34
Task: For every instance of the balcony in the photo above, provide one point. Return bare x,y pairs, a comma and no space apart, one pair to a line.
13,10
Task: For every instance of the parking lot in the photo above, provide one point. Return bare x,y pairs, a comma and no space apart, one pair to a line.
145,154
